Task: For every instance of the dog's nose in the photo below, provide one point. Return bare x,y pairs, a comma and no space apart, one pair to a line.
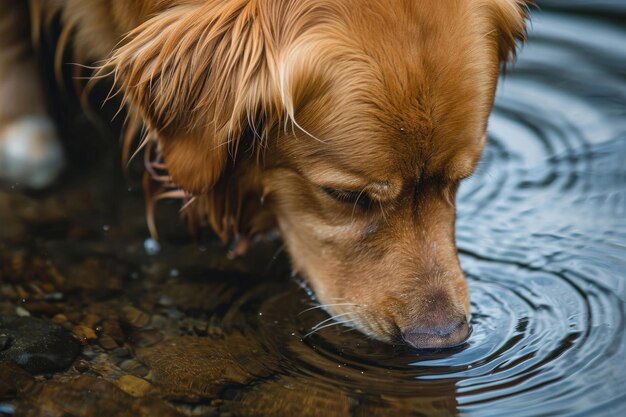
449,334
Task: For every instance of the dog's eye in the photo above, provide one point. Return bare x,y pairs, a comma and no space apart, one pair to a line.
349,197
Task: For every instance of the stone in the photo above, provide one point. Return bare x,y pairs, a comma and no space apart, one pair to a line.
198,368
90,320
37,345
135,317
289,396
14,380
5,340
134,386
84,334
21,311
40,308
89,396
145,338
134,367
107,342
82,365
112,328
59,318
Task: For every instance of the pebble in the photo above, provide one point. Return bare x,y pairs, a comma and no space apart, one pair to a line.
112,328
90,320
84,334
134,386
201,330
119,353
21,312
175,314
159,322
8,292
82,366
135,317
13,380
291,396
21,292
59,318
37,345
192,369
166,301
134,367
107,342
40,308
88,396
4,342
145,338
54,296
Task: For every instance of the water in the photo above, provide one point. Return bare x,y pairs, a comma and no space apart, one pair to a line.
542,238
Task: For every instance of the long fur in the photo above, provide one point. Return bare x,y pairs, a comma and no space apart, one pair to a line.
272,113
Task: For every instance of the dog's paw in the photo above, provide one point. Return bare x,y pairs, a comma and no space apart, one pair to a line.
30,152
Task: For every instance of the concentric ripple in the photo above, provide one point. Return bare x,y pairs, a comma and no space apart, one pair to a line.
542,238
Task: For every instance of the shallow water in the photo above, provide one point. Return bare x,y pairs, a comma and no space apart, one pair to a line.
542,237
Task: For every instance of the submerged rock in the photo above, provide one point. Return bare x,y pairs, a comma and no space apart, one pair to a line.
134,317
36,345
88,396
198,368
14,380
134,386
289,396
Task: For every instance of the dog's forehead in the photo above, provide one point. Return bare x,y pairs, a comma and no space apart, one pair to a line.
434,94
425,124
419,103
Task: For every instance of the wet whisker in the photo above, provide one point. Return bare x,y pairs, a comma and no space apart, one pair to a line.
328,305
329,319
327,325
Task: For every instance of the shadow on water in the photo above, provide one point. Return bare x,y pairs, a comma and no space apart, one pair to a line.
541,234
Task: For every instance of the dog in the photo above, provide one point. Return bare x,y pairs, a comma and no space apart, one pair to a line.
345,124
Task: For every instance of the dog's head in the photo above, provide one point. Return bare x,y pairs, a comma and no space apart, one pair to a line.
348,124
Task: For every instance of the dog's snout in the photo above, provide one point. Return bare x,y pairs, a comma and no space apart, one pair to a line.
448,334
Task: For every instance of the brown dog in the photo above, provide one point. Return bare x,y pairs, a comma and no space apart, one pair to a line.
348,124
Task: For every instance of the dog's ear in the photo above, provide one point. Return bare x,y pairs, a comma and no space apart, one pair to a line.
510,17
200,75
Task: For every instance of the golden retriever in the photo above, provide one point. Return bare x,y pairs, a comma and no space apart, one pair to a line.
346,124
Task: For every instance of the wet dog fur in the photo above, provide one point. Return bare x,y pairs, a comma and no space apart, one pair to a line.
346,124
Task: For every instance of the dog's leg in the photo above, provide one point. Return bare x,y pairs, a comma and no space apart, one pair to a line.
30,151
